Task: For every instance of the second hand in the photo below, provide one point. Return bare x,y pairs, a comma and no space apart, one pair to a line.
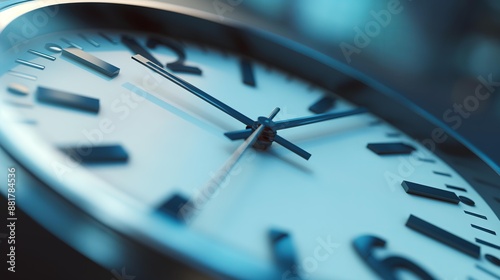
213,185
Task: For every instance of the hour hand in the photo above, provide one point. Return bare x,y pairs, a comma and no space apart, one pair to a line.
292,147
194,90
220,105
239,134
315,119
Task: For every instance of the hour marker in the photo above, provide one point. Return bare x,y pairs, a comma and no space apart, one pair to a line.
91,61
237,115
97,154
323,105
456,188
393,134
486,243
69,100
441,173
136,48
53,47
375,123
90,40
18,89
177,206
30,64
23,75
247,72
395,148
282,248
427,160
108,38
430,192
466,200
444,236
490,273
475,215
484,229
494,260
19,104
40,54
72,44
178,65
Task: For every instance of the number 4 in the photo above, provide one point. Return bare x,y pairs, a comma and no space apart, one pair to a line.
385,267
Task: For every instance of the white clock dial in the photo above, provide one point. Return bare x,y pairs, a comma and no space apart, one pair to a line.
140,140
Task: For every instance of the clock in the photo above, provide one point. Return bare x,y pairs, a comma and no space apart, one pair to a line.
236,152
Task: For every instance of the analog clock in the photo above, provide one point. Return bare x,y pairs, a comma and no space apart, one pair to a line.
240,153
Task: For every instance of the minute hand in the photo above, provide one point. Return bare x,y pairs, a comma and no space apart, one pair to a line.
314,119
214,102
194,90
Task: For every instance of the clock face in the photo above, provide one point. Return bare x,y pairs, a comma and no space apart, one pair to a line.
329,190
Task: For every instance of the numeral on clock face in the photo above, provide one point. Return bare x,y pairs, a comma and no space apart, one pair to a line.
385,267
